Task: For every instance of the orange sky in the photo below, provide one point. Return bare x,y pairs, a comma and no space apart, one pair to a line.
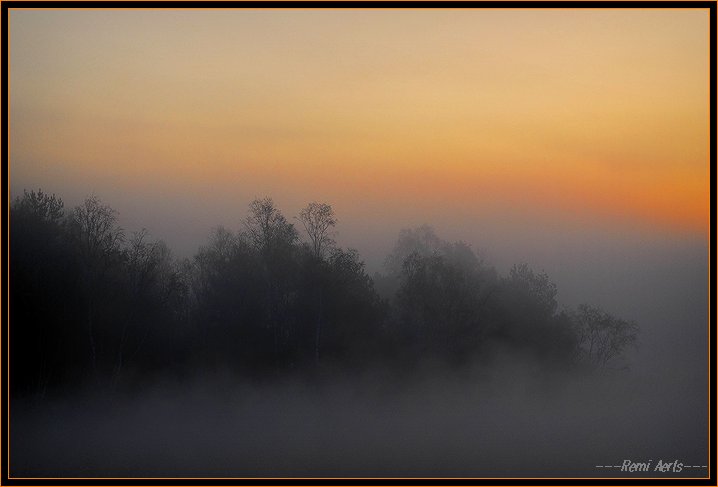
568,114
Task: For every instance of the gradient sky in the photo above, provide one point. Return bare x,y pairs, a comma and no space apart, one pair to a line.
478,121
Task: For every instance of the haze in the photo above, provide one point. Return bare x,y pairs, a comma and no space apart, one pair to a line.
576,140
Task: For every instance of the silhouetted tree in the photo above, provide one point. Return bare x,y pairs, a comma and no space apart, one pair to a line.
538,290
353,311
43,293
257,301
443,295
98,239
267,228
526,319
420,240
275,239
232,312
97,232
150,292
41,206
602,339
443,304
318,219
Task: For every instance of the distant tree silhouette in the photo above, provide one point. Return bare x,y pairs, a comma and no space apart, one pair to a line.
232,313
526,317
421,240
443,304
540,293
40,206
153,294
318,219
43,293
97,232
275,239
353,309
603,339
98,238
267,228
86,303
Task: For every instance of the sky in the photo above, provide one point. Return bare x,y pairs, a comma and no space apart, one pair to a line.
494,125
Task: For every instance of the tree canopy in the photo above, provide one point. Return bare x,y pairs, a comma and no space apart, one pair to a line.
89,303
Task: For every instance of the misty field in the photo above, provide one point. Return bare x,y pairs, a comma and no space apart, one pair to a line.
512,422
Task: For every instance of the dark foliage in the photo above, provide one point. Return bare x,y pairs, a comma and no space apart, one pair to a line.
89,304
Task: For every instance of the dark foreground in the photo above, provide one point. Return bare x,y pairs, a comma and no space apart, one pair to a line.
513,423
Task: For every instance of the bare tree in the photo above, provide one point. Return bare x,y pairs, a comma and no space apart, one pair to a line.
97,229
266,227
99,237
602,338
273,237
537,285
141,260
42,205
318,219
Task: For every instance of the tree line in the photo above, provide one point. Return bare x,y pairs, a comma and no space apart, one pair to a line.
90,303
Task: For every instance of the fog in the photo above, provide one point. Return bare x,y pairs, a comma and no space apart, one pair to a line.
503,417
509,423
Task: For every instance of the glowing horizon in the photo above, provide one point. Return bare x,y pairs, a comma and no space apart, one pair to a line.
566,114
